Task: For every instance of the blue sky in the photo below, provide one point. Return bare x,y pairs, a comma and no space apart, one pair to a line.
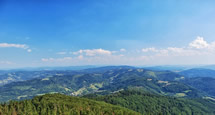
106,32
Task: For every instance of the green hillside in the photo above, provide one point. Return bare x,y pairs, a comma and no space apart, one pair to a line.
58,104
140,90
89,81
203,84
159,82
148,103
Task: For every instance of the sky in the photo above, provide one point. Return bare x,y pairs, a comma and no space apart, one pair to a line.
37,33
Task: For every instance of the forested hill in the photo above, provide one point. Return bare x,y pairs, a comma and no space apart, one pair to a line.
109,79
120,103
135,89
147,103
58,104
198,72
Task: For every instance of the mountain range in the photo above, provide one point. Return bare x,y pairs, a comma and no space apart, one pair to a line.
119,85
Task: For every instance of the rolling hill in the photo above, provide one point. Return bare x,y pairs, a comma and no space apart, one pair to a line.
15,76
203,84
148,103
198,72
58,104
141,90
109,80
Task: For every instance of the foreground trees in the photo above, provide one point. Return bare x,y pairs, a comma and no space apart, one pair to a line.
58,104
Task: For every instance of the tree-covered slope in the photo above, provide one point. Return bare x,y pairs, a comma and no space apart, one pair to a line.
160,82
159,85
58,104
148,103
15,76
65,84
204,84
84,82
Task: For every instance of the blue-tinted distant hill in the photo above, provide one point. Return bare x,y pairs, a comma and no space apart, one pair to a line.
179,68
201,79
106,68
8,76
105,79
54,68
169,68
15,76
198,72
203,84
208,67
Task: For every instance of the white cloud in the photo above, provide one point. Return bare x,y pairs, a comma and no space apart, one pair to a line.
175,49
47,59
94,56
6,62
198,51
6,45
152,49
29,50
22,46
122,50
197,47
199,43
93,52
56,59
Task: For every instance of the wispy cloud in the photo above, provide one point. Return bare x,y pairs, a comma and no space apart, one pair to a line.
122,50
93,52
29,50
152,49
6,45
6,62
197,51
22,46
56,59
197,47
87,56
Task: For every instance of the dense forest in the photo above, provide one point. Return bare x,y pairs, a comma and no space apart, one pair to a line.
147,103
120,103
58,104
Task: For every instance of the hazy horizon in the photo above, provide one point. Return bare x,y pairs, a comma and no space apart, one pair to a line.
80,67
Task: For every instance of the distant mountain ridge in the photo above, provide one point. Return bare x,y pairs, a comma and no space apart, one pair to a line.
105,79
8,76
53,68
198,72
208,67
